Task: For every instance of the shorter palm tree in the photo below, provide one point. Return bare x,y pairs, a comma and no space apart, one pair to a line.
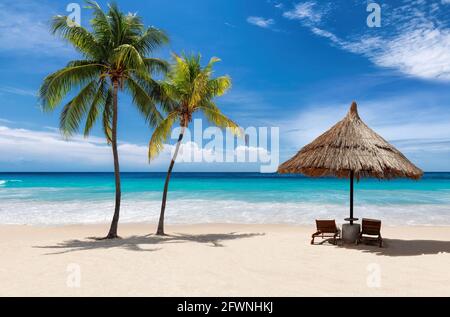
189,88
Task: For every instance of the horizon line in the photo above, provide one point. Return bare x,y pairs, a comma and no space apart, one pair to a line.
150,172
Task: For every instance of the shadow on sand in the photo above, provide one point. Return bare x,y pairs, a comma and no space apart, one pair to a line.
397,247
136,243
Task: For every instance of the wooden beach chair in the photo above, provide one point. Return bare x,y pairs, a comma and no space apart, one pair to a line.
371,230
326,229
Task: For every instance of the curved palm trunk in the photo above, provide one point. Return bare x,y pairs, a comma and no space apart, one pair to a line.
160,230
115,221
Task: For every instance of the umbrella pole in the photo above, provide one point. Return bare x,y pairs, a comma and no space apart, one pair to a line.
351,197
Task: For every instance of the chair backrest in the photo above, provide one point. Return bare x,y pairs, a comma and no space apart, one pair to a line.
326,226
371,226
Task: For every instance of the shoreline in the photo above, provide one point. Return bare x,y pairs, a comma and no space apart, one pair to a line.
212,224
219,260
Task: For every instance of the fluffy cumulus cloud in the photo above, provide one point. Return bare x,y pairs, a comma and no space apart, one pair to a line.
25,149
414,37
31,150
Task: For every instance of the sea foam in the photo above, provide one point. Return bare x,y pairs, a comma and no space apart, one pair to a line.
190,211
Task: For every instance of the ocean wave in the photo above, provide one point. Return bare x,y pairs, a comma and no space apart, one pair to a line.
3,181
192,211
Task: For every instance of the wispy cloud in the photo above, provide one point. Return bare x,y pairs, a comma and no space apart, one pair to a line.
18,91
276,4
230,25
261,22
279,5
415,40
305,11
24,29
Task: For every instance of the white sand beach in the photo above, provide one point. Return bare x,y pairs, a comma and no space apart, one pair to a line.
219,260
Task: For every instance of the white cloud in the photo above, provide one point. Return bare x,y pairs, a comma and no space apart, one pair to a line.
260,22
261,153
24,28
191,150
328,35
412,38
420,52
278,5
29,149
304,11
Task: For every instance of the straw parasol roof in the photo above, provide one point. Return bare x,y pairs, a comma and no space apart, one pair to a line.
351,147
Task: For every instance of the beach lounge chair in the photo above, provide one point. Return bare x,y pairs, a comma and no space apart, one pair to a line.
326,229
369,229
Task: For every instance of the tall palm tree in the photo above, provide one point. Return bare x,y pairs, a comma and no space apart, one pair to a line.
190,88
115,59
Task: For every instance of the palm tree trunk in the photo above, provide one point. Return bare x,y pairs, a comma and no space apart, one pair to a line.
115,221
160,230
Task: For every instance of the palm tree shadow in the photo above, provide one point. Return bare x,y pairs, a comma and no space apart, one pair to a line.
398,247
138,243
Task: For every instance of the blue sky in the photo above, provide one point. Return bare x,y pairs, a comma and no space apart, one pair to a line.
296,65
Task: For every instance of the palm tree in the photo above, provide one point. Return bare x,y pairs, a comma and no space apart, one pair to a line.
190,88
115,59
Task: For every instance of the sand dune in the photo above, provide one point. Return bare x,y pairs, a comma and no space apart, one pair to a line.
219,260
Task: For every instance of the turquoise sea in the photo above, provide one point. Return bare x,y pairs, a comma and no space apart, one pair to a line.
63,198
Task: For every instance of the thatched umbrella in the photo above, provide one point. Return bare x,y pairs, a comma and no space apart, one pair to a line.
350,149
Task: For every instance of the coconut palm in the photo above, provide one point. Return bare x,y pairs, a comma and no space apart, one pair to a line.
114,58
190,88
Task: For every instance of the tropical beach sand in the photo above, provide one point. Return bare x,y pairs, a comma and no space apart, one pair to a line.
219,260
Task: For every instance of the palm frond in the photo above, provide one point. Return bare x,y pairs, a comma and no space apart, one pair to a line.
144,101
101,26
107,115
57,85
75,110
117,24
160,134
212,61
213,114
96,107
127,56
218,86
82,40
156,65
150,40
133,27
180,75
